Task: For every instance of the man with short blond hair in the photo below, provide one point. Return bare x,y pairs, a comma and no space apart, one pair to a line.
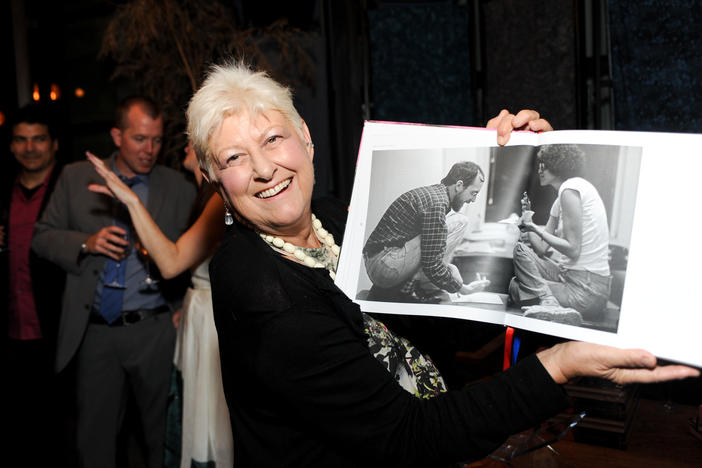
115,327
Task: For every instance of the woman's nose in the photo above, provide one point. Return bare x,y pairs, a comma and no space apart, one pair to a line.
263,166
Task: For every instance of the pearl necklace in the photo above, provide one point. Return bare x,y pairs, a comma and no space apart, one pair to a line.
324,236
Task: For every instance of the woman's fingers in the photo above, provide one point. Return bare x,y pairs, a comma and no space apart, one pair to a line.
113,186
103,171
531,120
637,365
526,119
540,125
493,122
99,166
574,359
657,374
97,162
97,188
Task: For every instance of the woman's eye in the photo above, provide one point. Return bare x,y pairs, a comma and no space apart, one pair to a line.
231,160
273,139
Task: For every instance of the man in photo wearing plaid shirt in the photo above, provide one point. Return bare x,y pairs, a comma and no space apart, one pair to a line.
408,254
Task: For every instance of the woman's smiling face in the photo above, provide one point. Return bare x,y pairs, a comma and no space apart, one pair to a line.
264,168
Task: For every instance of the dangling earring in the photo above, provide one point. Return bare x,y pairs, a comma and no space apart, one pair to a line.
228,218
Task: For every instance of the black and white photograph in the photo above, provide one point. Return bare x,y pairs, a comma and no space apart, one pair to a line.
577,234
542,232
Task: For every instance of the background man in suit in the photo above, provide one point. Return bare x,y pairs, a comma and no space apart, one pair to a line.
31,288
118,330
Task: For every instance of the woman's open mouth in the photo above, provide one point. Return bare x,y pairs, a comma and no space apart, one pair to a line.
275,190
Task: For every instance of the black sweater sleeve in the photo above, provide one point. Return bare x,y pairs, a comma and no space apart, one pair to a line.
344,395
323,396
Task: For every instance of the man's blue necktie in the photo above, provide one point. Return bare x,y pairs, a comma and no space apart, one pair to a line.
111,299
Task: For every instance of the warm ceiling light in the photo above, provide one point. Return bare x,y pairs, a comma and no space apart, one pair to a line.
35,93
55,92
79,92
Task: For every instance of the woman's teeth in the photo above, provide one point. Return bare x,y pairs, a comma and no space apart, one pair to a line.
275,190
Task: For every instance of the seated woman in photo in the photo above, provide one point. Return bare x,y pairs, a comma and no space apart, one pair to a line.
302,387
564,266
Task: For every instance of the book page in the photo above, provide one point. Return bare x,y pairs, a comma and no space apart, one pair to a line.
638,262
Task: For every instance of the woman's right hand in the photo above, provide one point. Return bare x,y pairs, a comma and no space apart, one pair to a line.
114,186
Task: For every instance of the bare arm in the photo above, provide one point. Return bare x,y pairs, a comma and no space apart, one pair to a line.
571,211
172,258
566,361
196,244
537,243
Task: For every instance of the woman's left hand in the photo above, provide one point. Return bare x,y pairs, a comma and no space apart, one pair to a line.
575,359
525,119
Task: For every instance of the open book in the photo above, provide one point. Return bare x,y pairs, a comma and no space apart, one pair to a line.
648,184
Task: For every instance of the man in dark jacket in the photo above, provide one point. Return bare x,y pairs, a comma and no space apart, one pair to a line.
115,327
32,286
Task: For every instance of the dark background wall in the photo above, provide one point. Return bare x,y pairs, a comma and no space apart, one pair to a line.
619,64
656,64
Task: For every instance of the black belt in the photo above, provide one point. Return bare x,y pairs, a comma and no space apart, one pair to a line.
128,317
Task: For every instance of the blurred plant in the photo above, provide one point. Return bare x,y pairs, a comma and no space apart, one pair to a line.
166,46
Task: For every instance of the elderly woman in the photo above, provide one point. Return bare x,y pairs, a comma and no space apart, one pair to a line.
564,265
301,385
206,432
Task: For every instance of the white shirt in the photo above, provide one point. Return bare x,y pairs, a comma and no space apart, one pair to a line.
594,249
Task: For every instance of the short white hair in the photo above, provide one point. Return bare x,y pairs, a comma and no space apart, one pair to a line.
229,89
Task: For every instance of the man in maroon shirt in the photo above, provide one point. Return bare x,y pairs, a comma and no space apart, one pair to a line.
31,292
